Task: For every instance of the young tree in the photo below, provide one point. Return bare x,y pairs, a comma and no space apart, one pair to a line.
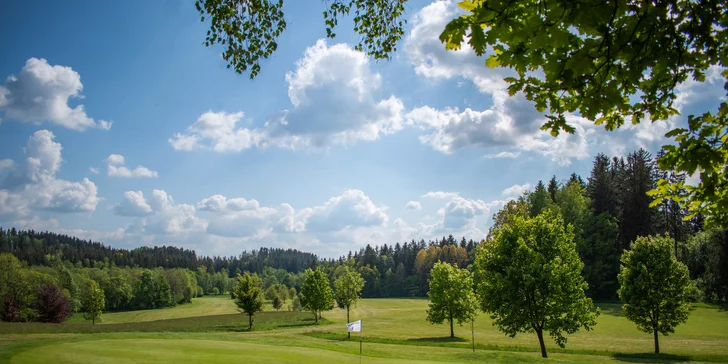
249,296
283,292
292,292
277,303
92,302
271,293
348,290
654,286
529,279
316,294
451,296
52,305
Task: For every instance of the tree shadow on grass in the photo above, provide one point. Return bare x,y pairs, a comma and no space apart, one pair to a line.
651,358
445,339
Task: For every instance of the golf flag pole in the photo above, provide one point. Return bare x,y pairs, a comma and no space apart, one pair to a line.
356,327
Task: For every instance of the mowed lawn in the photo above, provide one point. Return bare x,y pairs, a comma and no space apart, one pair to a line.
203,306
395,331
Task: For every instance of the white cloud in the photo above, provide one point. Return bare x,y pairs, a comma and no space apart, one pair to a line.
413,205
133,204
93,170
352,209
335,101
165,216
220,203
512,155
40,92
34,185
115,168
516,190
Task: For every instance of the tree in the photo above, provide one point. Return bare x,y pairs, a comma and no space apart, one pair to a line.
539,199
654,286
250,29
451,296
529,279
316,294
283,292
553,188
271,293
52,305
92,302
249,296
292,292
348,290
277,303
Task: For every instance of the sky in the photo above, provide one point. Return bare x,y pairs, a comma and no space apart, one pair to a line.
118,125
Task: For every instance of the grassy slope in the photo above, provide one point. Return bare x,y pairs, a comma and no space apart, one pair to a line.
386,322
203,306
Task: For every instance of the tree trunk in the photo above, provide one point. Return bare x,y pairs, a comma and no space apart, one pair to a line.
347,320
452,333
250,322
315,316
539,332
657,342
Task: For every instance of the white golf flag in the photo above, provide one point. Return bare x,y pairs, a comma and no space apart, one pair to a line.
354,326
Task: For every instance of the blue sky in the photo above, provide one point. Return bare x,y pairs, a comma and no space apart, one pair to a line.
118,125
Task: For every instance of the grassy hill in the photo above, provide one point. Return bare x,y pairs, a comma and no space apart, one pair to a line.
395,330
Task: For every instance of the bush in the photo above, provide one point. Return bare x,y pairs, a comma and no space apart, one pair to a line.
215,291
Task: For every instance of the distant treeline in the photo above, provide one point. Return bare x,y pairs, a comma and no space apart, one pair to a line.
607,211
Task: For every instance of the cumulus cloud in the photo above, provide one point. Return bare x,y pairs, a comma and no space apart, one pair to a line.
413,205
34,186
133,204
516,190
41,92
352,209
115,168
335,100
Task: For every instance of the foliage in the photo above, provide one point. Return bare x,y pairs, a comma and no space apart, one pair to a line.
52,305
92,302
250,29
706,256
347,288
654,286
277,303
530,281
451,296
249,296
316,294
611,62
296,305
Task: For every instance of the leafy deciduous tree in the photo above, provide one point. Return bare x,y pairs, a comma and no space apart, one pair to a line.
654,286
451,296
347,289
92,302
316,294
249,296
530,279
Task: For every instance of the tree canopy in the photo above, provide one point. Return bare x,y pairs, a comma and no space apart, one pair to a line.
249,296
451,296
92,302
316,293
654,287
529,279
347,288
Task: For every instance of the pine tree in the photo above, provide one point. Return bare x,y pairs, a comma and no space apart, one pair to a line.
553,188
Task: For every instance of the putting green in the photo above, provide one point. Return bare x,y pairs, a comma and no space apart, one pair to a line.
184,351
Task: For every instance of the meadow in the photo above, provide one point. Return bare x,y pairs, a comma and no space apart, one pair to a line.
394,331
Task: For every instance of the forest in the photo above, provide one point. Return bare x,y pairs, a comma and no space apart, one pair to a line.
607,211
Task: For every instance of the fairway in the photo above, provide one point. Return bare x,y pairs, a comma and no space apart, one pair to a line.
203,306
394,331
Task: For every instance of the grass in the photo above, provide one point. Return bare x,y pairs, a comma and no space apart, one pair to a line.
203,306
395,330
